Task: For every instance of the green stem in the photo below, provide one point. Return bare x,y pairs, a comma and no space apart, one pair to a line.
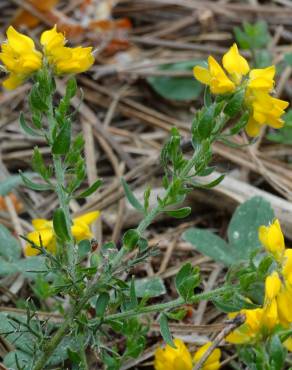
52,344
83,358
166,306
63,329
62,196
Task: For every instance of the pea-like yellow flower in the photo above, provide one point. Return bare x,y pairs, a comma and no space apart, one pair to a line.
262,79
215,77
284,304
258,84
258,321
212,362
44,230
19,57
235,64
173,358
179,358
265,110
272,238
65,60
278,288
272,286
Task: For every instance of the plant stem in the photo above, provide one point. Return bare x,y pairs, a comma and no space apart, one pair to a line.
166,306
83,359
52,344
63,199
61,332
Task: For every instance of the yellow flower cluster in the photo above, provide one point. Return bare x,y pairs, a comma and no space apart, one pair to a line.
21,59
278,292
44,230
264,109
179,358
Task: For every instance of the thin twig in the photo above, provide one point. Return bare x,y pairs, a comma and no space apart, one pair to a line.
236,322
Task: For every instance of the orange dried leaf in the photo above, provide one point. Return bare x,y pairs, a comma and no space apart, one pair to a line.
16,203
24,17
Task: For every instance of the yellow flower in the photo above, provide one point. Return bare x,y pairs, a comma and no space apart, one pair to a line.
257,321
44,230
63,59
169,358
262,79
288,344
212,362
284,303
235,64
214,77
272,286
287,266
272,239
20,58
179,358
265,110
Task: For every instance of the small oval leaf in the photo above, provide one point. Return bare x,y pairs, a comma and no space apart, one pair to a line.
60,226
165,332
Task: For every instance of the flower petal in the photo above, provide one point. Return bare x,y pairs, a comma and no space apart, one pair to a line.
87,218
202,74
234,63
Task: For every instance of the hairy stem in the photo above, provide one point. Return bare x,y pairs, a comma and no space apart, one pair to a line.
166,306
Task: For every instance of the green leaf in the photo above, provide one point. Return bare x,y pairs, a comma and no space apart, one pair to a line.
60,225
6,268
147,193
187,279
180,213
246,220
84,248
206,121
131,197
234,105
36,101
133,296
37,119
10,183
101,304
90,190
210,245
31,267
38,164
209,185
71,88
135,346
26,128
263,58
232,302
10,249
240,124
14,359
33,185
149,287
62,142
74,356
288,58
253,36
164,329
177,88
131,238
277,353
